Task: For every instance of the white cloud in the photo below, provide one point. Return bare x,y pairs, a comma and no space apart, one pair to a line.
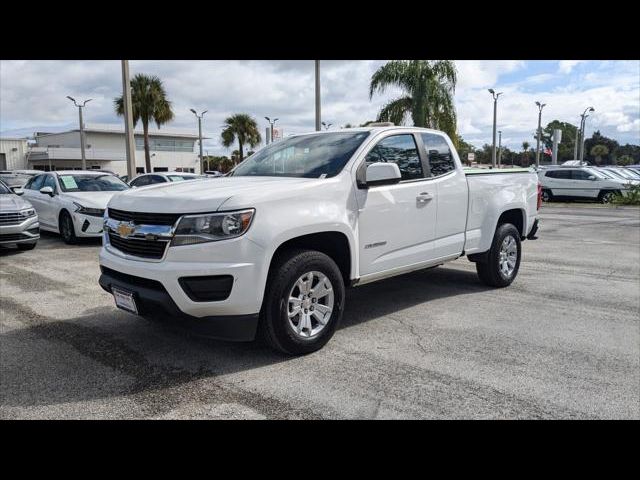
566,66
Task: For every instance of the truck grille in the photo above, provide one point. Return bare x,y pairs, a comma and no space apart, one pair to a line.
139,247
12,218
143,218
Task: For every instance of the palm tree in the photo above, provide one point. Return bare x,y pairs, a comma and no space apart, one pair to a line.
244,129
525,154
148,104
429,86
599,151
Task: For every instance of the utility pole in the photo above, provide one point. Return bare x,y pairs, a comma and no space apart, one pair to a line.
499,148
575,146
582,127
128,122
495,114
317,95
81,121
540,107
199,117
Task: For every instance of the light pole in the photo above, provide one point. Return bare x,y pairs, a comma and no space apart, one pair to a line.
499,148
271,124
495,113
80,107
540,107
582,127
326,125
317,95
128,122
575,147
199,117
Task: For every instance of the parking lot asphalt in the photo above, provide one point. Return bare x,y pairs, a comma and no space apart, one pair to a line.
562,342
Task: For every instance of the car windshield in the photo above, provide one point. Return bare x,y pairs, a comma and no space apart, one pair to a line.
634,174
615,174
180,178
308,156
606,174
13,179
624,173
4,189
91,183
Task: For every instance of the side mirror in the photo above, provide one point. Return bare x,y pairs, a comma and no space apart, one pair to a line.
17,190
47,191
592,177
382,173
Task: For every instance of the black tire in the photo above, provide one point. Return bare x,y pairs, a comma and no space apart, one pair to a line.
275,326
67,229
606,196
547,196
489,271
26,246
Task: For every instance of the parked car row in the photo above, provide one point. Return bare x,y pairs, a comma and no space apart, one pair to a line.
600,184
68,202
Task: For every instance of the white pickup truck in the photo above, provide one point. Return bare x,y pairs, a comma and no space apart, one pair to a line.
271,247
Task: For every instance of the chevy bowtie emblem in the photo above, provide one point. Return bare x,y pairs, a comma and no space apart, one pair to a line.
125,229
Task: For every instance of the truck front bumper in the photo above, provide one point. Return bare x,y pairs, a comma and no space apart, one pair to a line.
152,299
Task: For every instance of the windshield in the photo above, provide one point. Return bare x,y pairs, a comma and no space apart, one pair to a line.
632,173
180,178
615,175
308,156
625,174
91,183
4,189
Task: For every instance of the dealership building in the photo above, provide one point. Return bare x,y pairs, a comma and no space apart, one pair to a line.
170,149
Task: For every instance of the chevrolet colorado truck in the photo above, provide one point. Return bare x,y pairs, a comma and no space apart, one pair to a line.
271,247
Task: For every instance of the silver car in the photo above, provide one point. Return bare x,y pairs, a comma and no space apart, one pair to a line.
18,219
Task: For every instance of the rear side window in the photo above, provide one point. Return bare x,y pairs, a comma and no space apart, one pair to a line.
580,175
156,179
140,181
439,154
50,182
560,174
401,150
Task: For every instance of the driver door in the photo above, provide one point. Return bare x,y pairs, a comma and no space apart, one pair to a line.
397,223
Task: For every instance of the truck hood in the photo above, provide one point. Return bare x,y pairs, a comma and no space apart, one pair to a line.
206,195
12,203
91,199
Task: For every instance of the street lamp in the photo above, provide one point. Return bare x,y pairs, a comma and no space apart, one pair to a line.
271,124
540,107
80,107
199,117
499,148
326,125
495,112
582,126
317,64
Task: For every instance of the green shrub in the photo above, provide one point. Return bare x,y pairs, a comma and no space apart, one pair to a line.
631,198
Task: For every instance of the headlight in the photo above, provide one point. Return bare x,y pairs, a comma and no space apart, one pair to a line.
29,212
212,227
94,212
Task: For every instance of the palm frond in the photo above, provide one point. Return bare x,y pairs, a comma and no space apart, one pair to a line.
396,110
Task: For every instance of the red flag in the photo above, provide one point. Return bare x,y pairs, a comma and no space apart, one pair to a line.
547,151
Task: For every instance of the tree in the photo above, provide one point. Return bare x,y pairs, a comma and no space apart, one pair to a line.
148,104
598,139
525,154
429,86
625,160
599,151
243,129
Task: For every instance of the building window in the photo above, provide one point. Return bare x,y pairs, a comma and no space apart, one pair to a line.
166,144
160,169
139,169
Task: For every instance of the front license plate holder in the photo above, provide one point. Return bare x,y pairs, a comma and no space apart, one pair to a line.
124,300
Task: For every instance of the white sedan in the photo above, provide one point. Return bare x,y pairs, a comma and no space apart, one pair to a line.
72,202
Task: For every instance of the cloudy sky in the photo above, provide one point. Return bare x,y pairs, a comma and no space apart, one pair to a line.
32,94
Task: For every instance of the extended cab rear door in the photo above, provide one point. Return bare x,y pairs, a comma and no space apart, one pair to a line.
396,223
449,182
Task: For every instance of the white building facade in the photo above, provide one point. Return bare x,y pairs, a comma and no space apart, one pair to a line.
170,150
12,153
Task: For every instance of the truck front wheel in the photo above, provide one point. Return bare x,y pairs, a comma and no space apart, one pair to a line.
304,301
502,262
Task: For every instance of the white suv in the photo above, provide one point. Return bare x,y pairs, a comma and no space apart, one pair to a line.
579,183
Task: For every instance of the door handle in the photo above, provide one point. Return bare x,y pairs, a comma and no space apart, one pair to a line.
424,197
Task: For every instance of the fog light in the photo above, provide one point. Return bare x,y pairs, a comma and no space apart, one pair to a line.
85,225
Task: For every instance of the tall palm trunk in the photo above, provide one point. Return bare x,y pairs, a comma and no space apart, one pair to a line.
147,156
240,150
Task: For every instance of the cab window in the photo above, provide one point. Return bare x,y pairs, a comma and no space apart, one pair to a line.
438,153
49,181
36,183
401,150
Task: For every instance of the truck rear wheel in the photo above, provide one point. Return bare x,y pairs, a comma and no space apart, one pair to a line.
503,259
304,302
